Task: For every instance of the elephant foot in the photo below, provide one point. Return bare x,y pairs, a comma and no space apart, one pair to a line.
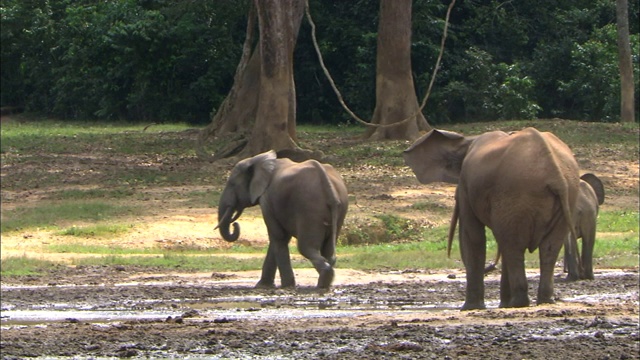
326,278
473,306
265,285
516,302
546,301
288,284
572,277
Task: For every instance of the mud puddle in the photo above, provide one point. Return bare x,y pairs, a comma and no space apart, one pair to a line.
117,304
383,316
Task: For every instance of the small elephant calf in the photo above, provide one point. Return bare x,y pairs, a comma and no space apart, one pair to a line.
590,196
306,200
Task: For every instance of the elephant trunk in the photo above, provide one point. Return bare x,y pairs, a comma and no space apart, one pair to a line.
225,220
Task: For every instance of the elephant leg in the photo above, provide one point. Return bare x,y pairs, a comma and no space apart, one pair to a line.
473,251
329,251
588,242
267,280
283,260
513,283
570,259
549,251
505,287
309,248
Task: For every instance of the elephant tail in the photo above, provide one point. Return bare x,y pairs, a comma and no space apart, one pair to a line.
452,228
333,201
493,266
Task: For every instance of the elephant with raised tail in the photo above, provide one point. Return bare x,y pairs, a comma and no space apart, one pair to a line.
522,185
306,200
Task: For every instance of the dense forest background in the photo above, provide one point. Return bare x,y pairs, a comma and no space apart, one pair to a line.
174,60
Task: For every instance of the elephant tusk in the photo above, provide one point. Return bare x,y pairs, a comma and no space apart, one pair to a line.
226,213
236,216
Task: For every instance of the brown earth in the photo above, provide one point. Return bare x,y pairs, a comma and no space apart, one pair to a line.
125,311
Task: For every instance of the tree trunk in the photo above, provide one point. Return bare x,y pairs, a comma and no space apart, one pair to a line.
275,118
259,112
627,103
395,92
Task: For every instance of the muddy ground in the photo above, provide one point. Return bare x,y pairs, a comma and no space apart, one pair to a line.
93,312
127,311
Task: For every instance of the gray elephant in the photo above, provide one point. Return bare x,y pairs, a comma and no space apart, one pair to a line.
522,185
306,200
590,196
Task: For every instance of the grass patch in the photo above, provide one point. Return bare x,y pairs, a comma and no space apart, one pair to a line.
77,194
386,228
177,261
56,214
100,230
54,137
618,221
23,265
431,206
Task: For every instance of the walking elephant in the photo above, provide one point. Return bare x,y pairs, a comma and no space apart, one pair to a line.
306,200
522,185
590,197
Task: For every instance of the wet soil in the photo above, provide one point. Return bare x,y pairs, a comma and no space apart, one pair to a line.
93,312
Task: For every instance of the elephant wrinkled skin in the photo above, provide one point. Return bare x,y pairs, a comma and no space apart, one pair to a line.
522,185
306,200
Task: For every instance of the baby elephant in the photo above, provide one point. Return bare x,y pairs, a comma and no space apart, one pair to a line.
590,196
306,200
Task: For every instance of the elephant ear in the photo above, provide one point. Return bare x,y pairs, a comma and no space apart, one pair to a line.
437,156
263,166
596,184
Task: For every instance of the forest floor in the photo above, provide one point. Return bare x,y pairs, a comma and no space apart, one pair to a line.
129,311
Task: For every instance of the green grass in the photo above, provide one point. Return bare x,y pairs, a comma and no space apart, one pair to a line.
100,230
23,265
78,194
618,221
54,137
385,241
49,215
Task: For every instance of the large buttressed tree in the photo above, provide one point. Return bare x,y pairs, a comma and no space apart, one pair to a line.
396,99
259,113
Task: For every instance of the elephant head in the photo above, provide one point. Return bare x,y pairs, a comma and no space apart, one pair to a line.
248,181
596,185
437,156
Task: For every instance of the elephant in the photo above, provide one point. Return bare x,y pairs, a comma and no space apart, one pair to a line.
306,200
590,197
522,185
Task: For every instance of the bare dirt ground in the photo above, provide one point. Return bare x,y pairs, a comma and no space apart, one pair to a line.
126,311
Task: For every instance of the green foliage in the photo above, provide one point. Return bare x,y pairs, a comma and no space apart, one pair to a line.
135,60
595,84
157,60
388,228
